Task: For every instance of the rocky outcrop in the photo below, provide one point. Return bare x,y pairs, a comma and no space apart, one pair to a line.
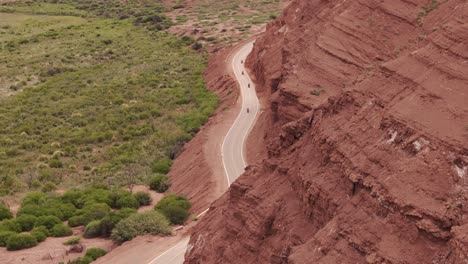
367,141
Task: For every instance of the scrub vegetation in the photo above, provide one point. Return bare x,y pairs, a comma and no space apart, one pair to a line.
222,22
103,212
93,91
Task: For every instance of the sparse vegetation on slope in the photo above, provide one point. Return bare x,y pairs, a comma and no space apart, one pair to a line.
101,100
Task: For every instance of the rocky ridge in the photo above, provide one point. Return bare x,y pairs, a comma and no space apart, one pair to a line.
366,158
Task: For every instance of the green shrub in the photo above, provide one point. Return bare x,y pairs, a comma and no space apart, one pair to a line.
159,183
95,253
177,215
49,187
21,241
67,210
77,220
26,222
128,201
175,208
151,222
115,195
162,166
108,223
32,209
10,225
55,163
83,260
61,230
74,196
5,213
95,212
49,221
36,198
93,229
173,199
39,235
41,229
72,241
41,204
4,236
143,198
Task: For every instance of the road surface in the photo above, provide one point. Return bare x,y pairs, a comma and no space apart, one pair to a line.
232,149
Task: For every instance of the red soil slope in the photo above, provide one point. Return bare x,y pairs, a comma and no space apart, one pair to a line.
366,131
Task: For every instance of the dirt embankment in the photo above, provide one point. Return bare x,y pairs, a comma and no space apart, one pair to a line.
366,140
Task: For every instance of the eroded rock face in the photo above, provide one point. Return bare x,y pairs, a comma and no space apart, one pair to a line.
367,140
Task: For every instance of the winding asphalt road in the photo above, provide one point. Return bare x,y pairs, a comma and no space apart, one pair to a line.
232,149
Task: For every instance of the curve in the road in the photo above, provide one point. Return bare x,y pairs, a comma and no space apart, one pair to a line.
232,149
233,146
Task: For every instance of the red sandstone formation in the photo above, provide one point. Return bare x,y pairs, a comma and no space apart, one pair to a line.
366,131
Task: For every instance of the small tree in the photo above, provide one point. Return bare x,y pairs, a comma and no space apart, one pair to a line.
131,176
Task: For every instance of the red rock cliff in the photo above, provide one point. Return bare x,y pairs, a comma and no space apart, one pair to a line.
367,157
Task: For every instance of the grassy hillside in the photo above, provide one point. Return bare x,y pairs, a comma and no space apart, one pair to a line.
93,98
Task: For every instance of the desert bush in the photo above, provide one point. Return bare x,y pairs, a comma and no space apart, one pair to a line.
21,241
74,196
55,163
128,201
95,253
151,222
83,260
35,198
61,230
143,198
42,229
38,235
95,212
72,241
4,236
48,187
177,215
93,229
26,222
159,183
5,213
115,195
108,223
77,220
49,221
175,208
41,204
161,166
10,225
173,199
